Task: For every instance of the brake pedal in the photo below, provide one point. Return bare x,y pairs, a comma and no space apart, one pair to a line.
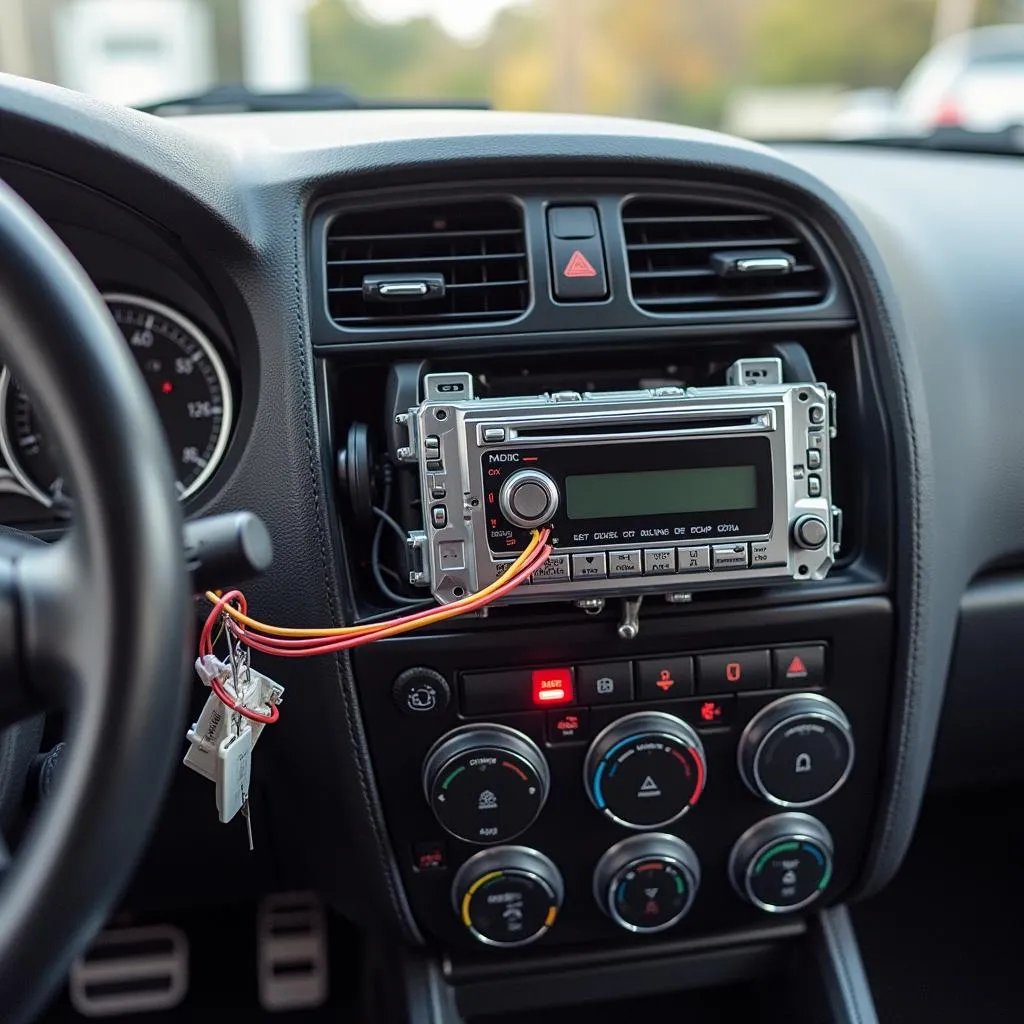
131,970
291,952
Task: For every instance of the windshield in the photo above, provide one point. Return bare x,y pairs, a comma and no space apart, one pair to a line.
941,71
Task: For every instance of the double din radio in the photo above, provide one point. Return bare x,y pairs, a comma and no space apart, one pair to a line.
661,490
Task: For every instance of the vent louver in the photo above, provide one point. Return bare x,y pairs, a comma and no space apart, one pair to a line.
422,265
695,256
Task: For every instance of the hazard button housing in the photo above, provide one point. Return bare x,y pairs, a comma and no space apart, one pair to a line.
577,254
798,667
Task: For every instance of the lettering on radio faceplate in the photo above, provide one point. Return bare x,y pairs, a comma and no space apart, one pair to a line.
648,491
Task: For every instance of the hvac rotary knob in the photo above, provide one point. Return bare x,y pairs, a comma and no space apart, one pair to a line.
508,896
645,770
797,751
485,783
783,863
528,498
647,883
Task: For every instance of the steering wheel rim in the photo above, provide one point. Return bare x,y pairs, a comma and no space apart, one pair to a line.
97,623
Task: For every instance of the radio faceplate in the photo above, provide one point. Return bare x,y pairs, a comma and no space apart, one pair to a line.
661,490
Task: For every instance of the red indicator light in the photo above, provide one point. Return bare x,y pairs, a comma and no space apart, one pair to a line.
710,711
579,266
167,387
552,686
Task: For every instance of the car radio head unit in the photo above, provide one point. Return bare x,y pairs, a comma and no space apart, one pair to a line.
651,491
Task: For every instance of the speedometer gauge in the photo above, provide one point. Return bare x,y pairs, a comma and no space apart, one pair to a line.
186,378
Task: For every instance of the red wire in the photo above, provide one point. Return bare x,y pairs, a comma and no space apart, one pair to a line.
206,648
309,646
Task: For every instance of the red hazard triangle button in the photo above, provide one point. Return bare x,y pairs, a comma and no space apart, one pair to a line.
796,668
579,266
802,666
577,269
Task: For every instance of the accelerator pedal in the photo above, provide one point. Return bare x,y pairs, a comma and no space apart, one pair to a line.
291,952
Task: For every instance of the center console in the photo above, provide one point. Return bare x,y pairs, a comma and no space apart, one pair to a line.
675,731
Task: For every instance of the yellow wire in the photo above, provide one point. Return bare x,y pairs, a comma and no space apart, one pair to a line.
442,613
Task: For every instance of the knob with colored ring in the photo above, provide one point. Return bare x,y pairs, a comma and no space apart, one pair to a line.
508,896
645,770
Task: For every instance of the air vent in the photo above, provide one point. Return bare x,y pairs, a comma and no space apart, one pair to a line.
421,265
694,256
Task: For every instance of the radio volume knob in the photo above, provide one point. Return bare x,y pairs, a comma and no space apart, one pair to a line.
810,532
528,498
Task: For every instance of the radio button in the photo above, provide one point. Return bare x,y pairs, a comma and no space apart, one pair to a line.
725,673
813,458
590,567
554,570
607,683
816,414
664,678
492,434
695,559
810,532
439,517
659,561
814,486
623,563
730,556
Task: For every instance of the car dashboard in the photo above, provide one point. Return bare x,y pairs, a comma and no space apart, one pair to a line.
801,716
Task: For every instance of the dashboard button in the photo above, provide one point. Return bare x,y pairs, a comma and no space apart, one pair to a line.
695,559
439,517
568,726
623,563
610,682
729,556
725,673
814,486
421,691
554,570
813,458
590,567
572,221
492,434
799,666
659,561
577,267
429,856
665,678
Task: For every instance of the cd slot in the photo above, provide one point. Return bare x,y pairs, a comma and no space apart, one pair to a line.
740,423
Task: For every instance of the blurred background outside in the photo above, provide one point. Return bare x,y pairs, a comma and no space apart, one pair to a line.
761,68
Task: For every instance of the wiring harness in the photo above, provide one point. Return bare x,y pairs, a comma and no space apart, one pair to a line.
231,610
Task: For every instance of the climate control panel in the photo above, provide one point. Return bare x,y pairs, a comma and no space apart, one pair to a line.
559,795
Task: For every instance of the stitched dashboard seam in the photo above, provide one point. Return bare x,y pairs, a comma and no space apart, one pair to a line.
910,704
367,789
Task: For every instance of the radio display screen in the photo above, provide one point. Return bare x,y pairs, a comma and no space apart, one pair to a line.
661,492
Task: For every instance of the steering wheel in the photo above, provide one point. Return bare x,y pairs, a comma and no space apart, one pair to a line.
96,623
